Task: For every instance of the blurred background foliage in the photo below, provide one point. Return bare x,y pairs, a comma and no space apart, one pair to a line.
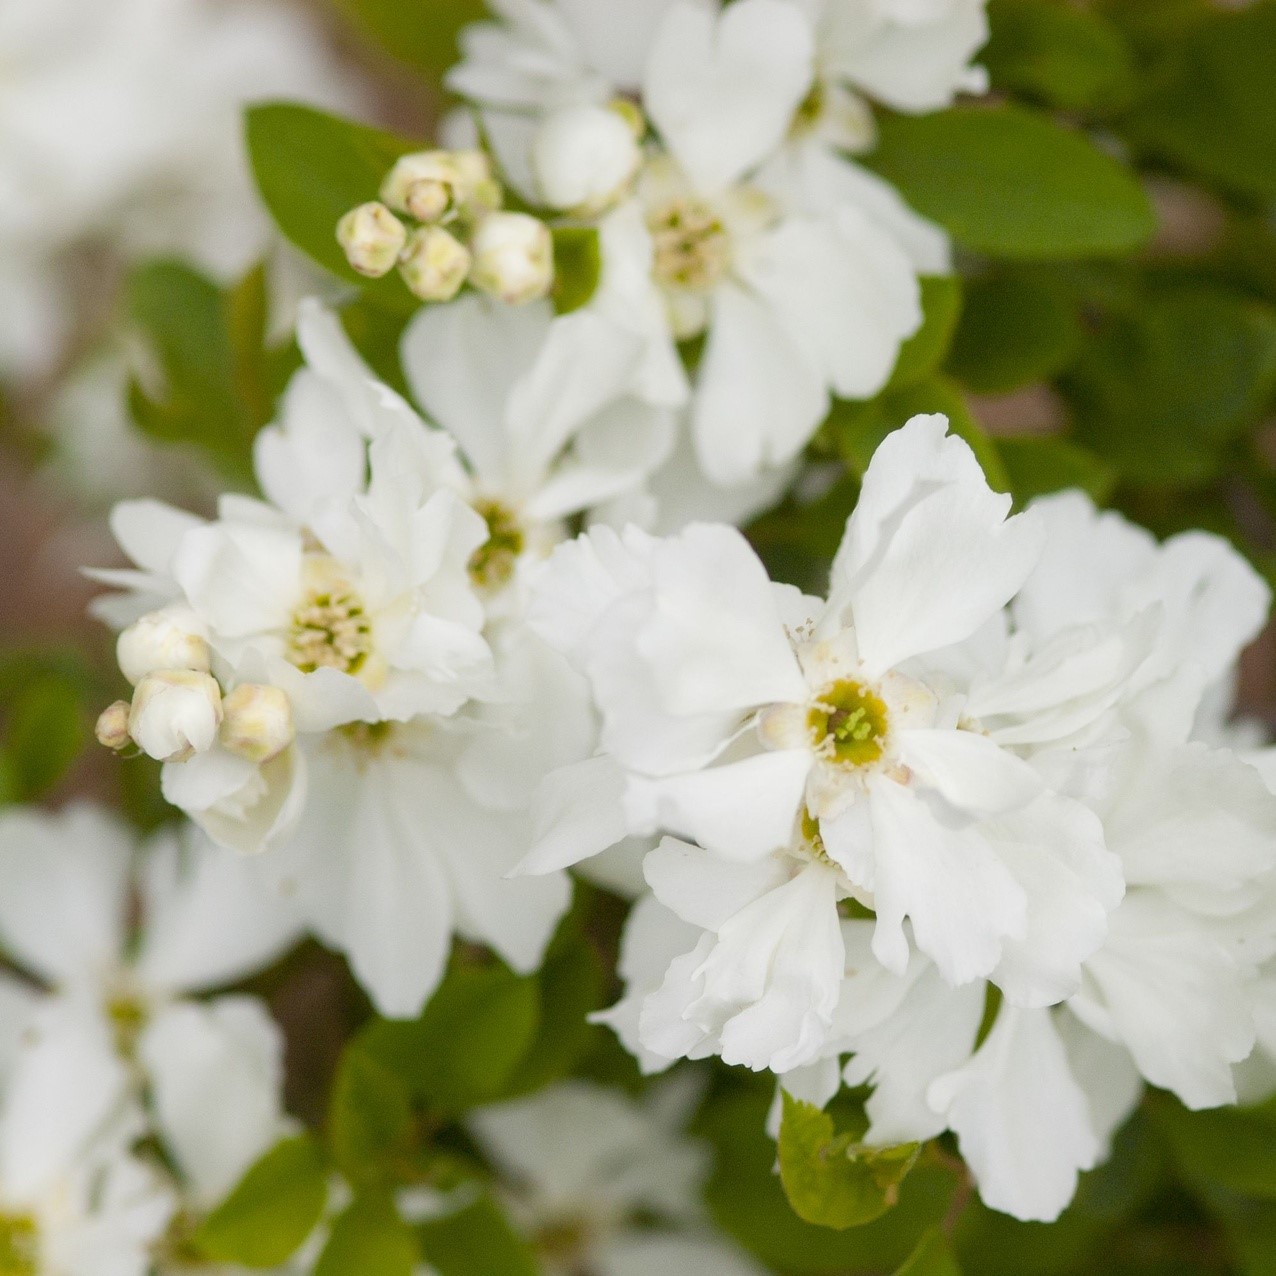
1112,326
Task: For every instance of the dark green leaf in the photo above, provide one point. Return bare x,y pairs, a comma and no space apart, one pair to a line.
272,1211
1039,466
371,1128
1007,181
311,169
578,264
370,1238
932,1257
926,349
477,1241
829,1178
421,33
1013,331
1231,1148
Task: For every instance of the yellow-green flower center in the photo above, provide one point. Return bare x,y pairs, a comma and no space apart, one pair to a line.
330,628
19,1245
127,1017
492,564
692,245
848,724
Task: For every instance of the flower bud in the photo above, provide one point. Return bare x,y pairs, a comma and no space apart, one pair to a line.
112,726
434,264
480,191
175,714
584,158
372,238
426,185
164,639
257,722
513,257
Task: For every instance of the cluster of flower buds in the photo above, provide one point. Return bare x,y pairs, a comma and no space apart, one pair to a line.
440,221
178,708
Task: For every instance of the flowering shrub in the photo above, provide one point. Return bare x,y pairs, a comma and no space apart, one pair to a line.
703,731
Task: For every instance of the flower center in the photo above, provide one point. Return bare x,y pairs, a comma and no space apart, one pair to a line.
330,629
19,1245
692,245
848,724
127,1016
491,566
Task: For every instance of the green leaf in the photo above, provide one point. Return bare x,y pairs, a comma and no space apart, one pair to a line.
829,1178
932,1257
1166,384
47,729
370,1237
578,265
371,1127
311,169
1067,57
275,1207
1215,114
477,1241
1230,1148
926,349
1037,467
1007,181
1013,331
420,33
464,1049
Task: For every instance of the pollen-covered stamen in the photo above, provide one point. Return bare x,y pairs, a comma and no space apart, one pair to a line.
810,839
492,565
848,724
692,245
19,1245
330,628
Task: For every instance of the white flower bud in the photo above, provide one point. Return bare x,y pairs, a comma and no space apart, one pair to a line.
584,158
434,264
164,639
419,179
112,726
175,714
480,191
257,722
513,257
372,238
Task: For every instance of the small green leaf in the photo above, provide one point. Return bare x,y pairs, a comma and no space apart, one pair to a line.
370,1239
371,1128
932,1257
476,1241
311,169
420,33
926,349
578,265
464,1049
47,731
1013,331
275,1207
1007,181
1037,467
829,1178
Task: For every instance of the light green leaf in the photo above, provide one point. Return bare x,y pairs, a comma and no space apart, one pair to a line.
311,169
370,1238
420,33
477,1241
1007,181
932,1257
578,265
371,1129
275,1207
926,349
829,1178
47,730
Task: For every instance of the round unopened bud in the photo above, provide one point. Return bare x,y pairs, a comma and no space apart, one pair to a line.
513,257
425,184
434,264
164,639
175,714
112,726
257,722
480,191
584,158
372,238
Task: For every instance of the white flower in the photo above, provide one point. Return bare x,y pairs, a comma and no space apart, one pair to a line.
584,158
175,714
584,1166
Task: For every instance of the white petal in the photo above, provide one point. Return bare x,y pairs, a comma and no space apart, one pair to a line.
969,770
705,889
1105,1072
149,531
577,813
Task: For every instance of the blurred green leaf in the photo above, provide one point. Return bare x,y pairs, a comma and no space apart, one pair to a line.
932,1257
578,265
311,169
420,33
1067,57
371,1127
370,1237
1007,181
1231,1148
47,730
1013,331
1037,467
464,1049
275,1207
926,349
829,1178
477,1241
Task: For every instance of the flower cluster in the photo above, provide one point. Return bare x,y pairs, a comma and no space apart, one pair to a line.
965,821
